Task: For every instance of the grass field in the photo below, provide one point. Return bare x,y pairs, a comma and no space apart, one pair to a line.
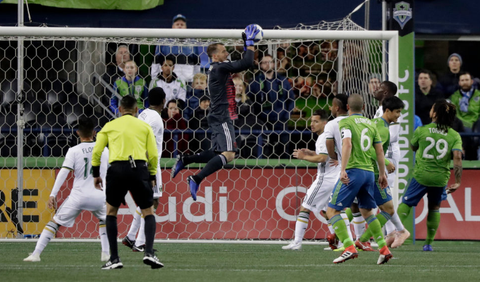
63,261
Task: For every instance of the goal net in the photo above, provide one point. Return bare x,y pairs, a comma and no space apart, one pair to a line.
51,76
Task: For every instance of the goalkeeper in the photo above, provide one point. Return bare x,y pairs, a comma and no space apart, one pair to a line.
224,146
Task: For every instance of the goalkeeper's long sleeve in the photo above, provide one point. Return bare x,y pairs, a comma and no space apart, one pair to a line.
61,177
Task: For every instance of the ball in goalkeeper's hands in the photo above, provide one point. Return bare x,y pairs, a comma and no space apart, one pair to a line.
254,32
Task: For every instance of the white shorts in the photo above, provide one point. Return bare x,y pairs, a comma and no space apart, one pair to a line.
318,195
72,206
157,190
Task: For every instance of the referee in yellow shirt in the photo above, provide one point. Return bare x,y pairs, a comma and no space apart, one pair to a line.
133,164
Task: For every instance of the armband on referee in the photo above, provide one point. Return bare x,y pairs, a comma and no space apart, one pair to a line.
153,177
96,171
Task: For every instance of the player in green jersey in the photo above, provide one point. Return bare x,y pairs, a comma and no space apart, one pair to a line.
359,134
392,109
435,143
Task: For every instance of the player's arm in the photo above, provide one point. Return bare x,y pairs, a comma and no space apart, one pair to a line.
382,179
346,151
307,156
457,164
245,63
67,166
331,149
152,153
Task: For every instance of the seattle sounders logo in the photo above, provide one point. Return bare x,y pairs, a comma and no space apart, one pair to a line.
402,13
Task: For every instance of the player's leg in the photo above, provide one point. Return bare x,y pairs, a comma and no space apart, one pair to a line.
223,140
358,221
433,218
129,240
300,227
414,193
366,202
181,161
101,214
343,196
65,216
140,241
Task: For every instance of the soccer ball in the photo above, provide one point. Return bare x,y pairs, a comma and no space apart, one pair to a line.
259,35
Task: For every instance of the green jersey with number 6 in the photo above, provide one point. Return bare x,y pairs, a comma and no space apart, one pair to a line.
383,130
432,161
364,135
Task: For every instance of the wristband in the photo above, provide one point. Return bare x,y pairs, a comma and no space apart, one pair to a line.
96,171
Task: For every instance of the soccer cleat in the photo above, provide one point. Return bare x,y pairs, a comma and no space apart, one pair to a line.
400,238
32,258
105,257
293,246
113,264
390,238
349,253
385,255
178,166
427,248
152,260
364,246
127,242
141,249
332,241
193,187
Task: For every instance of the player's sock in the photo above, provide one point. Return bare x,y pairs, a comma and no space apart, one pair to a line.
112,231
382,217
102,230
341,230
433,220
203,157
141,233
150,228
358,224
395,220
390,227
347,223
212,166
301,226
376,229
348,212
403,211
48,234
135,224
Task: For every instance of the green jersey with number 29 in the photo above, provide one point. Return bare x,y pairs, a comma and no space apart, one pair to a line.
364,135
432,161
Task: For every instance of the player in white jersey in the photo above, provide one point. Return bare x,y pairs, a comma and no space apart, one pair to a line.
394,227
83,196
156,99
334,148
319,192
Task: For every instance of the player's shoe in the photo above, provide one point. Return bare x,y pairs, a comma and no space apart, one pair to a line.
127,242
364,246
193,187
390,238
141,249
293,246
105,256
152,260
385,255
332,241
32,258
400,238
349,253
427,248
341,249
113,264
178,166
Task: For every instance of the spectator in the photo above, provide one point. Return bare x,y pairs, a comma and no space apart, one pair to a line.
247,120
425,96
275,94
175,142
283,63
187,58
174,87
467,101
449,81
198,90
200,141
130,84
116,71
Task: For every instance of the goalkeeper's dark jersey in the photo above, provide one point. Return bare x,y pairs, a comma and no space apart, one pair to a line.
217,86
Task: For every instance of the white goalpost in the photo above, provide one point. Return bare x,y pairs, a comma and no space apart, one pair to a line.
63,76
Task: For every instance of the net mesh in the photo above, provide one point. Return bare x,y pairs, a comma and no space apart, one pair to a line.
256,197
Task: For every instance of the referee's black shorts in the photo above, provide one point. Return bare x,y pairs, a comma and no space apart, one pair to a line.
121,178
